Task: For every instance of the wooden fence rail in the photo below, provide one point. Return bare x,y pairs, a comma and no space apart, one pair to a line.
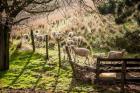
123,65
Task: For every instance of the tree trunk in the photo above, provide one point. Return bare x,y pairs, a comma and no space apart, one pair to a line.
4,46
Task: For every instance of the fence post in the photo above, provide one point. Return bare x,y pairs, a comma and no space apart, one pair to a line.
70,61
97,71
47,52
59,53
32,38
123,77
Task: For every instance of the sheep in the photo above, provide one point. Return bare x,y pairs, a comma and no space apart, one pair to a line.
71,34
83,52
25,37
51,44
117,54
69,42
56,35
40,38
64,51
75,38
80,41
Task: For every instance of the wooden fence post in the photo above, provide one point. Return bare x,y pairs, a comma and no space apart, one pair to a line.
70,61
97,71
47,52
123,77
32,38
59,53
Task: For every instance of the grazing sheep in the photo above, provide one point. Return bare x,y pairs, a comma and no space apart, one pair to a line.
83,52
75,38
40,38
67,42
80,41
64,52
117,54
25,37
71,34
56,35
70,42
19,44
51,44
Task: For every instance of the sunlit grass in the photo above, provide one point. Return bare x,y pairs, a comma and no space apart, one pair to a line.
31,70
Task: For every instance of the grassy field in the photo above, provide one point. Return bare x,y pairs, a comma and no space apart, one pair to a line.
30,70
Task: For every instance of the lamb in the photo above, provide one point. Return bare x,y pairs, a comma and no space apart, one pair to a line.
83,52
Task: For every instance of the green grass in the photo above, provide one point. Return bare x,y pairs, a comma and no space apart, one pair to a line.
30,70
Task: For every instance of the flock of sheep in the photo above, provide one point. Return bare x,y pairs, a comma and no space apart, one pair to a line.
77,44
73,37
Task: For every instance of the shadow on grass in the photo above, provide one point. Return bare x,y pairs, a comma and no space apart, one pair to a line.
40,76
56,80
2,73
72,85
14,56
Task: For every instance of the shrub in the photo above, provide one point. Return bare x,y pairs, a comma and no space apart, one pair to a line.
130,41
108,7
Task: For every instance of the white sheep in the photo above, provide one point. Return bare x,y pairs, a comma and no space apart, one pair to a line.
56,35
83,52
71,34
117,54
75,38
64,51
25,37
40,38
69,42
79,40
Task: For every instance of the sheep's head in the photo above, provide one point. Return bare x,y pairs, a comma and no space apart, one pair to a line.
124,52
73,47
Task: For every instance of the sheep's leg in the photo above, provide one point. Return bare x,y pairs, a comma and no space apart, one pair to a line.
64,56
87,59
75,58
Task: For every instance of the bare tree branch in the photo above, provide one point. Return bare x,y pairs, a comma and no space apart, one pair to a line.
22,19
42,2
